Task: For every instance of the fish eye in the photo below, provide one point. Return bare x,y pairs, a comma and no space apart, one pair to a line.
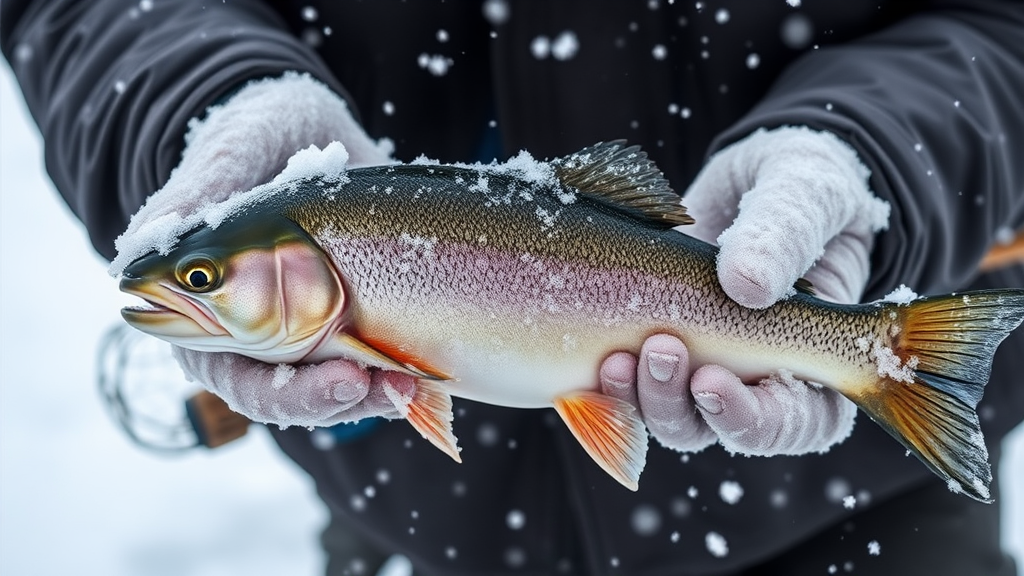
199,275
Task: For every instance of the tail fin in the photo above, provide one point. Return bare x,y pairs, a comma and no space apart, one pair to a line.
944,350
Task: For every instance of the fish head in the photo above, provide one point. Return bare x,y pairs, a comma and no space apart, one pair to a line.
257,286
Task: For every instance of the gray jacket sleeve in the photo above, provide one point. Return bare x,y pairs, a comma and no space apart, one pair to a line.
932,104
112,85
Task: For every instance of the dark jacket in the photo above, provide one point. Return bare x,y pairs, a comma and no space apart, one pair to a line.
929,94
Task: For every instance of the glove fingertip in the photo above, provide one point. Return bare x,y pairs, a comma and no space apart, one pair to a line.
715,379
754,278
725,400
618,372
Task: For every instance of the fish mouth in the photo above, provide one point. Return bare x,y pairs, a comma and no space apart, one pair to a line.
166,313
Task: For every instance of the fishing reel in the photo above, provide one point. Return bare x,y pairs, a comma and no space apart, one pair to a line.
149,398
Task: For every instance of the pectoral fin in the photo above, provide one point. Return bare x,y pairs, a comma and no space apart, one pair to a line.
384,355
610,431
429,410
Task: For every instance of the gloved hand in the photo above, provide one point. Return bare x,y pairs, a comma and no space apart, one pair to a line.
307,395
781,204
240,144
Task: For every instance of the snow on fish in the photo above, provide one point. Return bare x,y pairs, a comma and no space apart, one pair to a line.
510,283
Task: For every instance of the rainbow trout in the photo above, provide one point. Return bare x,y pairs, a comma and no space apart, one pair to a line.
509,283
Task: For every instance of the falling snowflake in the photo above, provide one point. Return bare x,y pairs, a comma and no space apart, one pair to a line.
322,439
496,11
435,64
730,492
716,544
487,434
797,31
836,489
23,52
565,46
645,520
778,499
680,507
540,47
515,557
515,519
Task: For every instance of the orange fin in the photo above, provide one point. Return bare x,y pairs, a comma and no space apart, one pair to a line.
408,360
1004,255
430,413
388,356
610,431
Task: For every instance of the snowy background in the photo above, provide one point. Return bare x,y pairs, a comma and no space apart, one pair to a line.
76,497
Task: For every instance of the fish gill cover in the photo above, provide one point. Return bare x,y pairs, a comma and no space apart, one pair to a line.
163,233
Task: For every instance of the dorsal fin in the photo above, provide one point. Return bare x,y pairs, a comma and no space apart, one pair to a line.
803,285
623,178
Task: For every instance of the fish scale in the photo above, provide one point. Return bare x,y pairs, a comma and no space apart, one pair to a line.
458,217
509,284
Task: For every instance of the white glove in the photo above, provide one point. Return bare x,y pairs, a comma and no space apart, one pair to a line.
248,140
310,395
787,203
241,144
782,204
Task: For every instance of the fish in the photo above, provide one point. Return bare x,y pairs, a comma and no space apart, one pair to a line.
509,283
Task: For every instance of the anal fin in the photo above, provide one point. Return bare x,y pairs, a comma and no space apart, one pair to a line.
429,410
610,431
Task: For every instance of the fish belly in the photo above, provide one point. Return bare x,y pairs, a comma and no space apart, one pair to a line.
525,362
518,363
